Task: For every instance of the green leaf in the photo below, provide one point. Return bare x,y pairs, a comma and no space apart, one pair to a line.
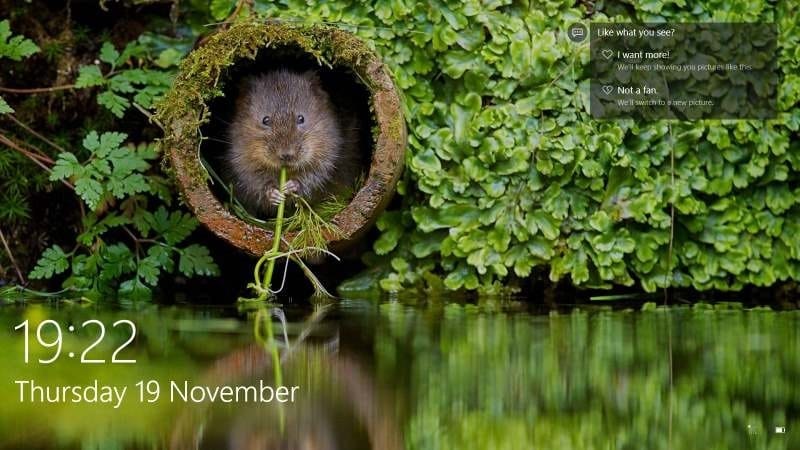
114,103
600,221
108,54
66,166
102,146
387,241
14,47
5,108
168,58
89,76
221,8
163,256
196,260
94,228
117,260
148,270
92,141
109,142
52,262
175,226
121,187
427,161
90,190
98,168
541,221
135,290
119,85
455,63
126,161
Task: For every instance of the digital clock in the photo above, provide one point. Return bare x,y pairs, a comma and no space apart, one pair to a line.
84,356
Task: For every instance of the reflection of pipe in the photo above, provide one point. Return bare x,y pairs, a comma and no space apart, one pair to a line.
362,393
358,388
250,360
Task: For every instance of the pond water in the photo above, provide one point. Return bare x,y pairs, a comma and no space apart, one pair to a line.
390,375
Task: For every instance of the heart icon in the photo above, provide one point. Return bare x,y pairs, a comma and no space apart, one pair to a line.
608,89
607,53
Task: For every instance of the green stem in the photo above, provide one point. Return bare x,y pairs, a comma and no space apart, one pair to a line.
273,349
276,359
276,235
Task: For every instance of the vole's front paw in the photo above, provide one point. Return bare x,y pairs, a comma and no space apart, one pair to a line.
275,196
292,187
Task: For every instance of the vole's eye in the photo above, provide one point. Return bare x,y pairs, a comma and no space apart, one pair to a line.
300,119
267,121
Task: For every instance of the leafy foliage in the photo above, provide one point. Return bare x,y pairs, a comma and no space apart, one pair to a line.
132,234
123,82
121,173
110,171
221,8
5,108
508,173
15,184
15,48
52,262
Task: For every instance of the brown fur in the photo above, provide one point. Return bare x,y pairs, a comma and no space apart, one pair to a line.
321,153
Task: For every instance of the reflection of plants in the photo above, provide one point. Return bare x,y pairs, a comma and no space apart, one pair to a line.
566,381
271,345
281,349
162,351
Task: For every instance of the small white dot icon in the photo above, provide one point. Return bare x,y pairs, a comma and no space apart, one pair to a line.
71,355
71,328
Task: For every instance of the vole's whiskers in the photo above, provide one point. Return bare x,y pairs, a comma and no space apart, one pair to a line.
222,120
223,141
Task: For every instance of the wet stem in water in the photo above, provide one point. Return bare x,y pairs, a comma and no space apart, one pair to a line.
271,346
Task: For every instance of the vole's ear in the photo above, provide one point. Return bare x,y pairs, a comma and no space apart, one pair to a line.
248,84
313,77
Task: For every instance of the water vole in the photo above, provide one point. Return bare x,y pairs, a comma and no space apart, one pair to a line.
286,119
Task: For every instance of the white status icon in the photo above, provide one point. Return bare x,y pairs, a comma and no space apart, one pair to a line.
780,430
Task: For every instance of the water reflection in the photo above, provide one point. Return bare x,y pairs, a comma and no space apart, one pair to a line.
682,378
339,406
427,376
